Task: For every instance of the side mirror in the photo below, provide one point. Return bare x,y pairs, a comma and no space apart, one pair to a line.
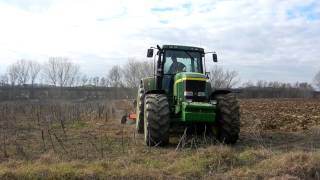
150,53
214,57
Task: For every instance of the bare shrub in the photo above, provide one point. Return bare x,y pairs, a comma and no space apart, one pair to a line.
316,80
35,68
223,78
13,75
23,69
115,76
4,80
135,70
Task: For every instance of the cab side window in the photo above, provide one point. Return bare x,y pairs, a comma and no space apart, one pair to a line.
167,65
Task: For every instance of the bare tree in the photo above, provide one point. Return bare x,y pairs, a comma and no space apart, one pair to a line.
103,82
77,80
22,71
262,83
60,71
95,81
317,80
51,71
221,78
4,81
67,72
71,77
18,72
84,80
114,76
135,70
12,72
35,68
247,84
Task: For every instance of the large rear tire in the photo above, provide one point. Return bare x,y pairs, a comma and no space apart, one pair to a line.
156,120
228,118
139,110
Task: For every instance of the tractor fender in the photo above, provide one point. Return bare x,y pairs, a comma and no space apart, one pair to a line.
148,84
220,91
155,92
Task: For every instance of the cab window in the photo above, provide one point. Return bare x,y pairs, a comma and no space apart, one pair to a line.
182,61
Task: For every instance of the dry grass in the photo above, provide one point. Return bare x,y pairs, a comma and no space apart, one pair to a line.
295,164
210,162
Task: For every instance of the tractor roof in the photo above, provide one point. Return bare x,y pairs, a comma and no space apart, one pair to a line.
186,48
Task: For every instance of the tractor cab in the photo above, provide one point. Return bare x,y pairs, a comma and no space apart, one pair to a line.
181,64
177,62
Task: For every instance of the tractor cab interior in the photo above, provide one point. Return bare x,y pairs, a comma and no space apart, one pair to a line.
176,61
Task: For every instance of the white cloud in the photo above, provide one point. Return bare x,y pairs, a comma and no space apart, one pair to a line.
251,37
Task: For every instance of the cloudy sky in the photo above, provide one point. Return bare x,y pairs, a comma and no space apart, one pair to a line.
270,39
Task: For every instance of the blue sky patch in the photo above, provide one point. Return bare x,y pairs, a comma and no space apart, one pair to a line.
308,11
187,5
29,5
163,9
164,21
123,13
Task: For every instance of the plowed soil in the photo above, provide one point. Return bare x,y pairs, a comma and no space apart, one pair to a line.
280,114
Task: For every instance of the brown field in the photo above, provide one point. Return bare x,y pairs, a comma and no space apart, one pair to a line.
279,140
280,114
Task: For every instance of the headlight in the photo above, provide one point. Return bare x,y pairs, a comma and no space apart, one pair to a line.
214,102
188,93
201,94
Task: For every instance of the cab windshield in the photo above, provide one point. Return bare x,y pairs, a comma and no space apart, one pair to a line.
182,61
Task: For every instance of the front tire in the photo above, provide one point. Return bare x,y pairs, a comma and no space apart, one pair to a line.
156,120
228,118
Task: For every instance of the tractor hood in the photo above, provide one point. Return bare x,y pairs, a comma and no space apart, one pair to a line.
183,76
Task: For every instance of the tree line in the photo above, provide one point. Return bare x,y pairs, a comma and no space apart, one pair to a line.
276,89
62,72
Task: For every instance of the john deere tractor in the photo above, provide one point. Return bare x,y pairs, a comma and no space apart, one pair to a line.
180,95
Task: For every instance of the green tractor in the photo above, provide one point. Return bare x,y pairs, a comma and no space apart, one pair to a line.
180,95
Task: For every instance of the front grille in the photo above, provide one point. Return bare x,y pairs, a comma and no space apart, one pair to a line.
195,86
